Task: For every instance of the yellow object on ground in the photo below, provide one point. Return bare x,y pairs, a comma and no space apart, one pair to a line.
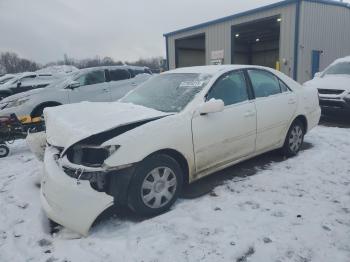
29,119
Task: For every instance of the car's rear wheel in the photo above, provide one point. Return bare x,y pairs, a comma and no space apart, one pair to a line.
155,186
294,139
4,150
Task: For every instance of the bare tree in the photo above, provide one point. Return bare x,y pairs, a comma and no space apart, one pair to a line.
14,64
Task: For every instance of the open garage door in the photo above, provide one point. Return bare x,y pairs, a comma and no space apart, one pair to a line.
257,43
190,51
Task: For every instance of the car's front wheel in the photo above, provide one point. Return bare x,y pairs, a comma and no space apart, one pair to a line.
294,139
4,150
155,186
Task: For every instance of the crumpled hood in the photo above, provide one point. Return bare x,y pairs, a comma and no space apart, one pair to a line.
69,124
341,82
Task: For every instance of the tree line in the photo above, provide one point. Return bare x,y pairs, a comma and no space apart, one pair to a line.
11,63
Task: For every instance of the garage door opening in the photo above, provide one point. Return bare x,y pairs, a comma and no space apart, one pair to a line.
257,43
190,51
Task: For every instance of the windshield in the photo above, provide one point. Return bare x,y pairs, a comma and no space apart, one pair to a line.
338,69
168,92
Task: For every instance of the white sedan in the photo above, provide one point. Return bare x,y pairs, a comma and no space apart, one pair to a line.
174,129
333,85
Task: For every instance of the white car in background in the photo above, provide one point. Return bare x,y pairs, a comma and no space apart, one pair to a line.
175,128
24,82
333,85
6,78
98,84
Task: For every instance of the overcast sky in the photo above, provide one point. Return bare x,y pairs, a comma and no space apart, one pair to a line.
44,30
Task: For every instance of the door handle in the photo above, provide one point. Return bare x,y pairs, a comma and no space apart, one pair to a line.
249,114
133,84
105,90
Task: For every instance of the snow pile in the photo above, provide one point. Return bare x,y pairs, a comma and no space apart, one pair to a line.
294,210
58,70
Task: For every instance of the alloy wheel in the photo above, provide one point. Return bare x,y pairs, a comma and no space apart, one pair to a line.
295,138
158,187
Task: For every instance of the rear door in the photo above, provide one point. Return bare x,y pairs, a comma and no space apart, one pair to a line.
93,87
275,105
220,138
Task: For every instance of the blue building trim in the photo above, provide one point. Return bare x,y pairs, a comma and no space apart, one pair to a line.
254,11
296,40
330,2
231,17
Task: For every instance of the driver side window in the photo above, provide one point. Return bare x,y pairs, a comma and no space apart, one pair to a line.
92,78
230,88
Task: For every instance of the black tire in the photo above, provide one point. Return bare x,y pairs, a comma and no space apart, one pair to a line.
294,140
4,150
143,177
39,111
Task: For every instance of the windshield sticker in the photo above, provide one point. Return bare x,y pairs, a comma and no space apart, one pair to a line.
191,84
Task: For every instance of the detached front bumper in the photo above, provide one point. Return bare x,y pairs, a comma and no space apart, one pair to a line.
70,203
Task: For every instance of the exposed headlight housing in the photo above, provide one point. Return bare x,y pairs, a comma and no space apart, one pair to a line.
17,102
90,156
97,179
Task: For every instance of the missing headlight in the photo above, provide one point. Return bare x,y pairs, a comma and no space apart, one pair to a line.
90,156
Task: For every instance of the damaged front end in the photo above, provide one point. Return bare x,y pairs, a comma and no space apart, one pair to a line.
78,186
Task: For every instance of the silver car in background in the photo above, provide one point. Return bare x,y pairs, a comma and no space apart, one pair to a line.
98,84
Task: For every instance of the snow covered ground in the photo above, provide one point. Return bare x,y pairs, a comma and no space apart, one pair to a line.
294,210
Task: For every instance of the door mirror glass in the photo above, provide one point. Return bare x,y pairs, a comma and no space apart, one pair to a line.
212,106
74,85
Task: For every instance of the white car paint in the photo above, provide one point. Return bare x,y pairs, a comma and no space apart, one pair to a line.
59,93
334,89
208,142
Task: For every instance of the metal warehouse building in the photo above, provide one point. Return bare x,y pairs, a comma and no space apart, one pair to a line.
298,37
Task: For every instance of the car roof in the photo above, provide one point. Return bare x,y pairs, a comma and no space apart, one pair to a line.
113,67
212,69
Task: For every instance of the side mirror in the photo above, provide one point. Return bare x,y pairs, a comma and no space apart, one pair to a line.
74,85
19,84
211,106
318,74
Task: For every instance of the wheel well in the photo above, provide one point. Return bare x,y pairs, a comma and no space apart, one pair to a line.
42,106
303,120
180,159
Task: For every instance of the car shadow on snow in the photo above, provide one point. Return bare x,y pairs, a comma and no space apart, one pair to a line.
241,170
205,185
335,119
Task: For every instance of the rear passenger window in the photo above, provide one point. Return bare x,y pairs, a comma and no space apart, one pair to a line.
119,74
230,88
264,83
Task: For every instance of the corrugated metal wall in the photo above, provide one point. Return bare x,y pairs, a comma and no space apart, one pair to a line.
322,27
218,36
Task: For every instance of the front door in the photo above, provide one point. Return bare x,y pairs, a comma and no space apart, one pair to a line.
220,138
93,87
